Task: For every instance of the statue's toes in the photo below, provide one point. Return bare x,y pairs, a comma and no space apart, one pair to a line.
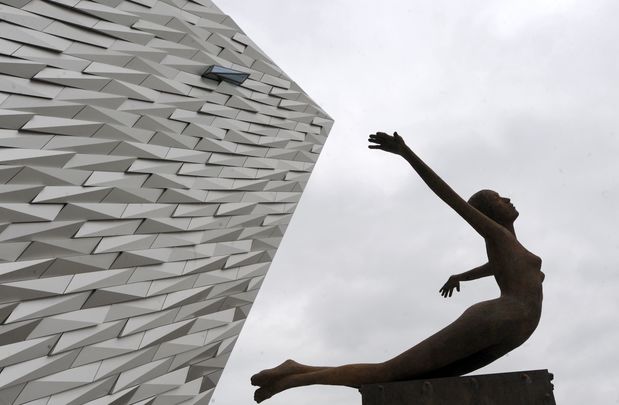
258,379
261,394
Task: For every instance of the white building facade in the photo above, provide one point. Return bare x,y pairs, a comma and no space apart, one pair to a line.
151,157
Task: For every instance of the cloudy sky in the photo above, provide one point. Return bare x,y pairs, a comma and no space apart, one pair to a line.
518,96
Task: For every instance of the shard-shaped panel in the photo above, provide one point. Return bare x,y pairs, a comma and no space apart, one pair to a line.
151,158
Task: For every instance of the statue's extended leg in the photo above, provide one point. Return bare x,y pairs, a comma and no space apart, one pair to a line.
352,375
472,341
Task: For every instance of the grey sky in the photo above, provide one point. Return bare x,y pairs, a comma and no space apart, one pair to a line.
520,97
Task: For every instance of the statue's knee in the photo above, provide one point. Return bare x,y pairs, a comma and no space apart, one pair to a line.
385,372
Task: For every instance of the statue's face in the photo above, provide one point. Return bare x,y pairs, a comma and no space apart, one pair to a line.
502,208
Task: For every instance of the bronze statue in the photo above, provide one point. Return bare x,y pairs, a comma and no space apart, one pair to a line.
482,334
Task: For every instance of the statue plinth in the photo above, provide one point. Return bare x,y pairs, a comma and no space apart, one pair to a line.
532,387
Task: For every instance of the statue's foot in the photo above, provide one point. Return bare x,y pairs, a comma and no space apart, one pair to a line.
267,391
270,376
262,393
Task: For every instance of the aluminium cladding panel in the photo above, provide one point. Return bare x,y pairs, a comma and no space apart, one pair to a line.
141,204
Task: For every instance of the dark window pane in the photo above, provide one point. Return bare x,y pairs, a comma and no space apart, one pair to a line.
220,73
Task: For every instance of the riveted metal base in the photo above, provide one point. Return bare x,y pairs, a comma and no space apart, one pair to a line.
532,387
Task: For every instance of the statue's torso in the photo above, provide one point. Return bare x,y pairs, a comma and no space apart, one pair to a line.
519,276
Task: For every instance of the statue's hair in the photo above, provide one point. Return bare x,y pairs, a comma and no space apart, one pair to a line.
482,200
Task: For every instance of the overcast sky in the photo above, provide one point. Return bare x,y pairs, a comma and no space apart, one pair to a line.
518,96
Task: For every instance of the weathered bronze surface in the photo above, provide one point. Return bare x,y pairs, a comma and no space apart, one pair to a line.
519,388
482,334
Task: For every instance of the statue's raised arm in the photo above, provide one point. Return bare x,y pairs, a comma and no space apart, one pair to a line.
480,222
482,334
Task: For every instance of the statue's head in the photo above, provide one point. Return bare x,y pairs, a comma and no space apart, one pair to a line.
495,207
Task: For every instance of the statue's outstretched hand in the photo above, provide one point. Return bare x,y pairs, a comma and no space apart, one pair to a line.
447,289
389,143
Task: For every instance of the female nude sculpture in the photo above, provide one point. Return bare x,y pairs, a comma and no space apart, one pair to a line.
482,334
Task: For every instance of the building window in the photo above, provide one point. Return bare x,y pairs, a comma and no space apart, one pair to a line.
220,73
